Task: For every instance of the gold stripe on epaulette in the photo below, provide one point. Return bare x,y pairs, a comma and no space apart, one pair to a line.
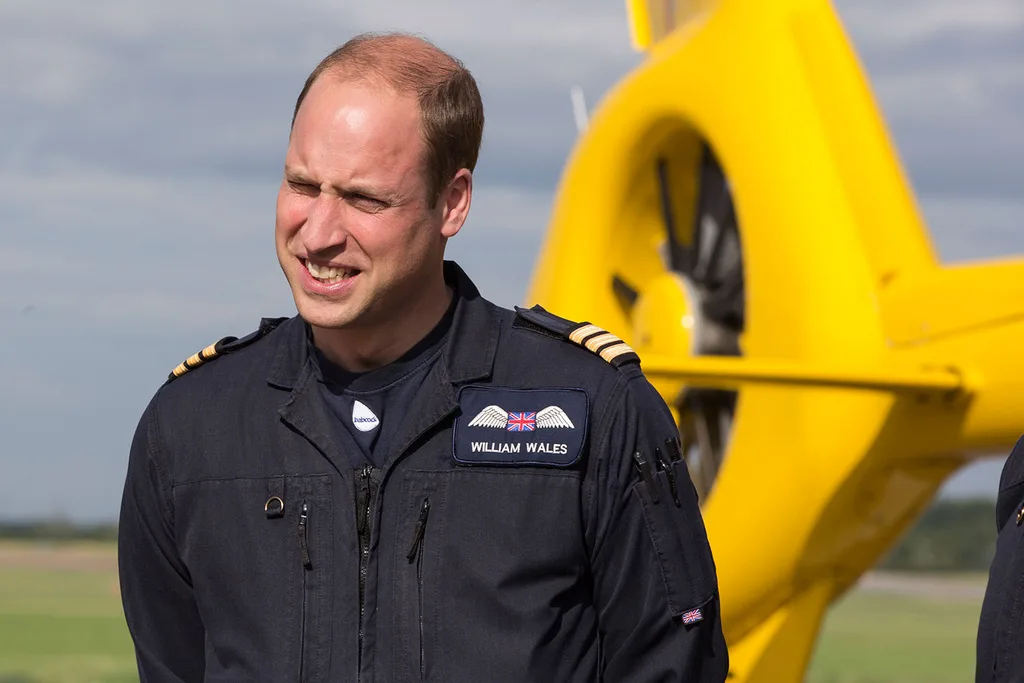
595,343
601,342
613,352
195,360
582,333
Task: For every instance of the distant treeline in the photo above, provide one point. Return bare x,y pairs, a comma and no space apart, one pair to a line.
953,535
49,530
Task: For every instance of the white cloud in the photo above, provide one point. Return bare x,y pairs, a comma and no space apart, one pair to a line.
970,228
947,77
911,21
577,24
154,104
196,253
110,206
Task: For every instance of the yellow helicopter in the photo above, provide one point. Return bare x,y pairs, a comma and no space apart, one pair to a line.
736,211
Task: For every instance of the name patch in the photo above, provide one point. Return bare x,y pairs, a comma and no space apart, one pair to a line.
502,426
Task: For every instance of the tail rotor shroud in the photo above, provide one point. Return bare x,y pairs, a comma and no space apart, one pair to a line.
707,263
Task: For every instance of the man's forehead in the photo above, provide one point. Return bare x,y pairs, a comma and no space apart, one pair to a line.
357,116
341,89
358,134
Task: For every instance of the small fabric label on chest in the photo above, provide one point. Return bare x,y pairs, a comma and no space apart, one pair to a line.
502,426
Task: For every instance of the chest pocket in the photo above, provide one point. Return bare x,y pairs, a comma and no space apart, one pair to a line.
467,600
259,552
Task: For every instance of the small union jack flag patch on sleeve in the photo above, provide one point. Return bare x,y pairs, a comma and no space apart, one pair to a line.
693,616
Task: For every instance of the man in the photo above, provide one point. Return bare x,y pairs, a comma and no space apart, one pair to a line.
405,482
1000,646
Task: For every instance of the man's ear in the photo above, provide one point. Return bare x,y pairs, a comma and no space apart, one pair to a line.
455,201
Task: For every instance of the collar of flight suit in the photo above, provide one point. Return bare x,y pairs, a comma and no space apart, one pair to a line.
468,355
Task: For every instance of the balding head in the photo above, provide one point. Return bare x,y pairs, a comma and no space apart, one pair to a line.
451,110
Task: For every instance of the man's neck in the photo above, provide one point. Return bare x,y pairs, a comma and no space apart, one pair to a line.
373,347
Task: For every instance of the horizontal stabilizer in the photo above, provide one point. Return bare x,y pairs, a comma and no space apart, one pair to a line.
714,371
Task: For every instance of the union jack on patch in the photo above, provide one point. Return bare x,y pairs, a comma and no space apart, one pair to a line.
693,616
521,422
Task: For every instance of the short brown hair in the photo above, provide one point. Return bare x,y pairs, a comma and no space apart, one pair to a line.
451,110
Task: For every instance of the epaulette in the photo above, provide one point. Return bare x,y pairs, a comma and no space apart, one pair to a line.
591,337
223,347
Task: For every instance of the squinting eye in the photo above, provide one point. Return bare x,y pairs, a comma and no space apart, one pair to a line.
367,202
304,188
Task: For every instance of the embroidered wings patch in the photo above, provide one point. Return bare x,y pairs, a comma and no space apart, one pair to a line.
506,426
552,417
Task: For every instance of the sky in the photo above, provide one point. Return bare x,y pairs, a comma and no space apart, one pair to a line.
141,145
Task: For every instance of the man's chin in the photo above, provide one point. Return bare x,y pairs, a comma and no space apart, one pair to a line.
327,316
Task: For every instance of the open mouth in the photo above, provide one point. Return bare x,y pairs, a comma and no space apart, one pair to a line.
329,275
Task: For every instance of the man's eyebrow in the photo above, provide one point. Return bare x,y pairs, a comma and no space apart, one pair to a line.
298,175
368,191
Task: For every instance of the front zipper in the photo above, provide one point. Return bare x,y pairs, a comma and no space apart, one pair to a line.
416,553
307,565
365,492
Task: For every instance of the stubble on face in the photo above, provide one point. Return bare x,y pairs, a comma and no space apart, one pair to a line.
356,238
353,199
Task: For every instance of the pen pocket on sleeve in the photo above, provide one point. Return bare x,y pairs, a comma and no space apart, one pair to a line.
673,519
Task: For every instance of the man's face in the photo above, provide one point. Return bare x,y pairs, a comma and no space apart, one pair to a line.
355,235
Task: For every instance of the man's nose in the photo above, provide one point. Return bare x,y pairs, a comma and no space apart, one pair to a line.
324,228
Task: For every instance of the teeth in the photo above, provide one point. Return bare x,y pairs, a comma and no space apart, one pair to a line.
326,274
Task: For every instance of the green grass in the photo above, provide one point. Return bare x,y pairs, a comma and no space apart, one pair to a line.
66,626
888,638
59,626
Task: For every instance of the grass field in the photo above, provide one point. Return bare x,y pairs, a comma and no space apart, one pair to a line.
60,616
60,622
914,630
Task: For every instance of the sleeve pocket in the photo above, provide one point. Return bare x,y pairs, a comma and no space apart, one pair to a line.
680,541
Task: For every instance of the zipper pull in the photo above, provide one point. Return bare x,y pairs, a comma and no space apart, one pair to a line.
667,466
421,527
368,475
363,500
304,536
645,472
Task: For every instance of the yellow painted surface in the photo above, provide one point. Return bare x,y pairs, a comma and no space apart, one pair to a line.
869,372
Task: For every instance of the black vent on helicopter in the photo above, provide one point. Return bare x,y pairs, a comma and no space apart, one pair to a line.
712,267
712,263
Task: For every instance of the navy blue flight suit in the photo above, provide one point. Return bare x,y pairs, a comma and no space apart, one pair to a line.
1000,646
532,522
